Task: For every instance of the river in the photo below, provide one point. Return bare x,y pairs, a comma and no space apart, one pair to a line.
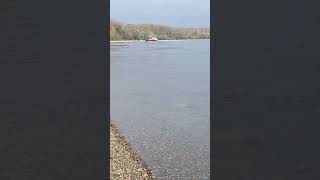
160,102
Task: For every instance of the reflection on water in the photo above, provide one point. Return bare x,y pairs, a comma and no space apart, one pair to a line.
160,101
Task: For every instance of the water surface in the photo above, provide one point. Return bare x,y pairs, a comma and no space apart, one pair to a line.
160,102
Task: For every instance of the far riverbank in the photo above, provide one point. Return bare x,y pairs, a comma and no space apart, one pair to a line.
127,41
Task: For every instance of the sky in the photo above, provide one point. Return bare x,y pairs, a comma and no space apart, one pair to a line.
176,13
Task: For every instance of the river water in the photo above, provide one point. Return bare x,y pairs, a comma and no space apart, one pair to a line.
160,102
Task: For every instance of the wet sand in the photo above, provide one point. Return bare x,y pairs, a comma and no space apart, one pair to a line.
125,163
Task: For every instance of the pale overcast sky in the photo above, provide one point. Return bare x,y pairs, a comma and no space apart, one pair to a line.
177,13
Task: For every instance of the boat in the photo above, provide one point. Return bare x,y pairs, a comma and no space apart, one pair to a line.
152,39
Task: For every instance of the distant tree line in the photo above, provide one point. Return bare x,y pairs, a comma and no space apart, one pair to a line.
121,31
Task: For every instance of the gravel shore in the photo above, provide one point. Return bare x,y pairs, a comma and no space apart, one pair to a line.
125,163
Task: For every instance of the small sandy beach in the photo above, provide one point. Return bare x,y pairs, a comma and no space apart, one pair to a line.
125,163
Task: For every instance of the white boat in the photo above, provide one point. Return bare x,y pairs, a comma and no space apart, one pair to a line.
152,39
